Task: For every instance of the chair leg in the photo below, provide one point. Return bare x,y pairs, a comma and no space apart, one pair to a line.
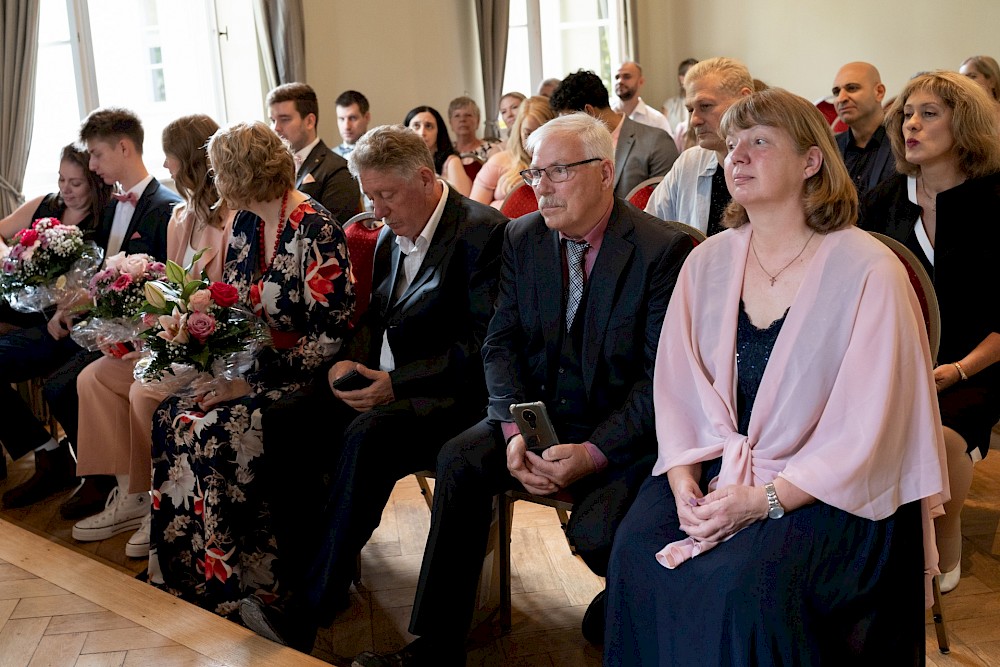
939,624
564,521
425,491
357,570
505,518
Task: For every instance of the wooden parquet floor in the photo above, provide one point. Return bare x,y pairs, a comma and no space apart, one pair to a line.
66,603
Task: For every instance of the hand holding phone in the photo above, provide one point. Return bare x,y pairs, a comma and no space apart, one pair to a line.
351,381
533,421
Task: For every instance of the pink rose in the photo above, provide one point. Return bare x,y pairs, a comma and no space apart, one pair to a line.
224,294
114,262
135,266
200,325
201,300
149,319
28,237
124,280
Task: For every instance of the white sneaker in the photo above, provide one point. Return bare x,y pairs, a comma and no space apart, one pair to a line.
948,581
138,544
122,512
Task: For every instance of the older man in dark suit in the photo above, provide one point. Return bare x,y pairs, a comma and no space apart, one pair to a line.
320,173
134,222
417,377
583,292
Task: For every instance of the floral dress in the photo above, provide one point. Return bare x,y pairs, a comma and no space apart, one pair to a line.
211,539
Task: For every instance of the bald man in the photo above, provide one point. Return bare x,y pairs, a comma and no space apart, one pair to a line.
858,92
628,84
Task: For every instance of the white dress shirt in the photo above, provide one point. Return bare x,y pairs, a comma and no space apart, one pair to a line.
300,155
647,115
123,217
414,253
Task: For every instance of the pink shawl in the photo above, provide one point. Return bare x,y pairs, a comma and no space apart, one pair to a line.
846,410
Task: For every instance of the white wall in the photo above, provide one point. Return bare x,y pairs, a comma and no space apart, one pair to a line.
398,53
800,44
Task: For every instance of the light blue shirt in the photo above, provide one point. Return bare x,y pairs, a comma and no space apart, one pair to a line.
685,193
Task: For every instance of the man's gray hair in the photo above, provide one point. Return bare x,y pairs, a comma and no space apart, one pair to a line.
590,132
390,148
731,75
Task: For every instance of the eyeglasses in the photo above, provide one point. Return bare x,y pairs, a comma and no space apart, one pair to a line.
557,173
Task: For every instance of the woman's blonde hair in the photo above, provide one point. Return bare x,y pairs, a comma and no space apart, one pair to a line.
251,164
974,123
185,140
989,68
829,198
537,109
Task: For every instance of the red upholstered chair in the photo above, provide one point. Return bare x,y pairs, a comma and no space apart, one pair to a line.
519,201
924,289
641,193
472,165
830,112
362,232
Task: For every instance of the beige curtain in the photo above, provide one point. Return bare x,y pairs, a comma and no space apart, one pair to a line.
281,34
18,51
492,17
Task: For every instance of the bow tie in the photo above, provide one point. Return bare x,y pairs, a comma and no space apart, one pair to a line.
129,197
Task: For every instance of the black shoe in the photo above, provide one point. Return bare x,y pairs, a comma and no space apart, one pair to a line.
271,623
90,498
54,471
593,620
421,652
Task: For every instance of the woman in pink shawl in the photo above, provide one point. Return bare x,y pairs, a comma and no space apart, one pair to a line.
797,426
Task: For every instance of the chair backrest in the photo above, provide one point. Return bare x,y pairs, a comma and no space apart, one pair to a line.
641,193
923,287
519,201
362,234
472,165
697,236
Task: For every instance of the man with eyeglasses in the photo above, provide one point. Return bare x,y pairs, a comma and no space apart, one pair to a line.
584,287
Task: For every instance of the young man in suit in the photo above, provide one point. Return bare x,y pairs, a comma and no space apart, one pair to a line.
583,291
134,222
641,151
417,350
320,173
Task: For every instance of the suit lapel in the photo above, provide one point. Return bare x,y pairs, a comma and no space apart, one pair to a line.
311,162
881,158
385,269
547,265
441,245
626,139
612,261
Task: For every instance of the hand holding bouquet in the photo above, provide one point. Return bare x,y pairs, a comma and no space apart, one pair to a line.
117,297
45,264
197,332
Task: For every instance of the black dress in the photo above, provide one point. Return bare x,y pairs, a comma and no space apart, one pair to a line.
817,587
966,282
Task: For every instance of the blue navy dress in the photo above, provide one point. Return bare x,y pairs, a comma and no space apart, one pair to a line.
818,587
211,540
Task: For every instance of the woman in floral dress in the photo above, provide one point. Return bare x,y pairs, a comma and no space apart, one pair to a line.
211,541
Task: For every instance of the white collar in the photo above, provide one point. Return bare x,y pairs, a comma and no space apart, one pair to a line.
424,240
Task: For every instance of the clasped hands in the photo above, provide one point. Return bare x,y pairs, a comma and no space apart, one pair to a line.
556,468
720,514
379,392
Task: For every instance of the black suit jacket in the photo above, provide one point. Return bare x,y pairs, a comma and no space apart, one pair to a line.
331,184
147,231
627,295
884,166
437,326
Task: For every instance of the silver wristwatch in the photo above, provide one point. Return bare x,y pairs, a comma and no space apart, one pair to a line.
774,508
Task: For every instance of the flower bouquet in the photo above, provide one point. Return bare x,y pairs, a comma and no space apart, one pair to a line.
117,299
47,263
197,333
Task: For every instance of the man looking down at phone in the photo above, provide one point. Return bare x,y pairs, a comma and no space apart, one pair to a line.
412,379
584,285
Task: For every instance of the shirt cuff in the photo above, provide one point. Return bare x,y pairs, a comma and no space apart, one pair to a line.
600,460
509,430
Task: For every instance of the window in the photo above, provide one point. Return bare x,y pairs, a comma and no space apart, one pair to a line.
161,58
551,38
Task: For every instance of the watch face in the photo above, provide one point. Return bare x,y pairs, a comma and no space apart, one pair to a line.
776,512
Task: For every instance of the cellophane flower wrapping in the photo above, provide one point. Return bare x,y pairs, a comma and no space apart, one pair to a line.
198,334
47,264
117,300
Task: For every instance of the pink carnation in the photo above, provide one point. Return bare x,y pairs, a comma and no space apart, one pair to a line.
201,325
124,280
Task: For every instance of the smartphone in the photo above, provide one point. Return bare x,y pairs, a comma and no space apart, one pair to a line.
351,381
533,421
